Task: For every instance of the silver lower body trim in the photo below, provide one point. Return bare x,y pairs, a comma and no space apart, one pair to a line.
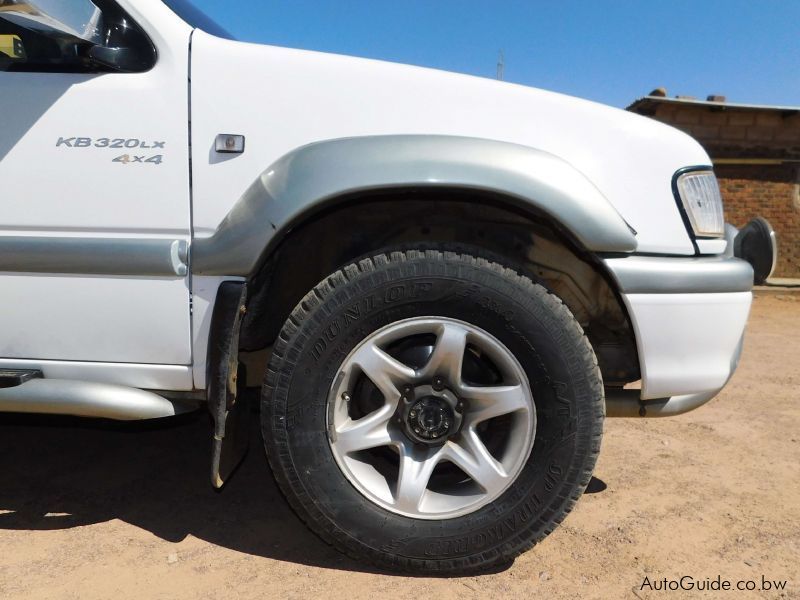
681,275
627,403
94,256
88,399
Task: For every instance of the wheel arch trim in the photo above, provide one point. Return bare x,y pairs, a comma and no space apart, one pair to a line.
319,175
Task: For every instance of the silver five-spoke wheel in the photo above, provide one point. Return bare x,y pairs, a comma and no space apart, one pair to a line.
431,418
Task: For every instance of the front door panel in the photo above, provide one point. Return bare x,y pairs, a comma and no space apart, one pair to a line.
101,159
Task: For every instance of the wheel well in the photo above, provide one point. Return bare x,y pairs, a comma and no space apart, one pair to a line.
444,219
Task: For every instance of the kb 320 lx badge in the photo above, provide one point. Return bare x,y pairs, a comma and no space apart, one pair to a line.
86,142
117,143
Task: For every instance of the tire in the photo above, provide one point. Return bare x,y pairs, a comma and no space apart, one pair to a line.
510,323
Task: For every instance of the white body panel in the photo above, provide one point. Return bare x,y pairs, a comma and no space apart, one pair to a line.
60,190
139,332
281,99
688,343
95,318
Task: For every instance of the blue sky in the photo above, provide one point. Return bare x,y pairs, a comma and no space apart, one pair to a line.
609,51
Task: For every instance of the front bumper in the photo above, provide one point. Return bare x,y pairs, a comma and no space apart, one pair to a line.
689,316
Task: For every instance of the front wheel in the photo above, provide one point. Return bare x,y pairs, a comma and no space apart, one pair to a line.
432,412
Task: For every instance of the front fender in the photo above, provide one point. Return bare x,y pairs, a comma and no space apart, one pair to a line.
314,176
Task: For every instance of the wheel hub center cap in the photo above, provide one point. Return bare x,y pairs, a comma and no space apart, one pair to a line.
430,416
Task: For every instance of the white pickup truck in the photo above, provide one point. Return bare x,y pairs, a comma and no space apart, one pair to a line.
447,282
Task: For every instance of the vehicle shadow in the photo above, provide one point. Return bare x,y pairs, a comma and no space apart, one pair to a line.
63,472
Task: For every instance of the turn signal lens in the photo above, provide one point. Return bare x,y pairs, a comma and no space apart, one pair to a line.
699,193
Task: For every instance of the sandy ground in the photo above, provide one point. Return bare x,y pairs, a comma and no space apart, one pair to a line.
98,510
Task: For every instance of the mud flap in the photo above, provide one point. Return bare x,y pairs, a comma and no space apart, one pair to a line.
230,441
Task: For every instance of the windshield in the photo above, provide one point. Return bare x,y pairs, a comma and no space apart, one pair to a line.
195,17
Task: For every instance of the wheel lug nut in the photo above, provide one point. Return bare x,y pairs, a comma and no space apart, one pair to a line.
407,389
438,383
412,414
416,429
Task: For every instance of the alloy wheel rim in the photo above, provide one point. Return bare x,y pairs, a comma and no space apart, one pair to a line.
436,438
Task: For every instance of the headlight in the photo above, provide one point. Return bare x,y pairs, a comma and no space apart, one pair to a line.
699,193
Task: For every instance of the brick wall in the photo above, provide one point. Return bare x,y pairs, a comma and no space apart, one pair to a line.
770,192
736,133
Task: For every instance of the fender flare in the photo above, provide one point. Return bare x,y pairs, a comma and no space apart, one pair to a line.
314,176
